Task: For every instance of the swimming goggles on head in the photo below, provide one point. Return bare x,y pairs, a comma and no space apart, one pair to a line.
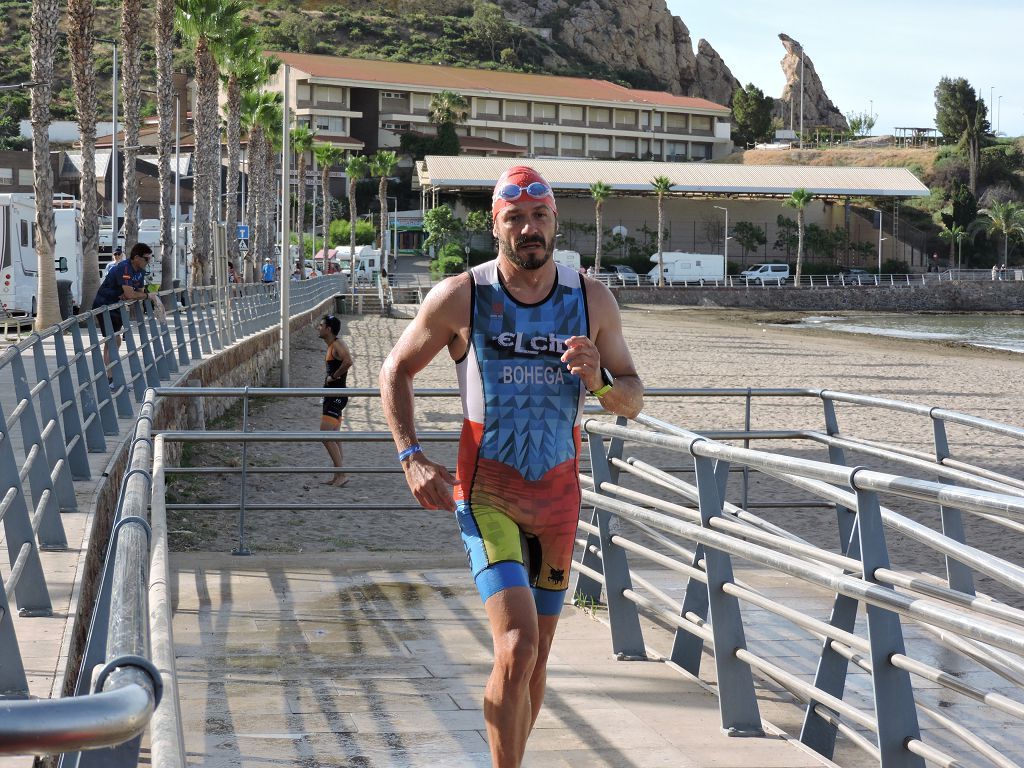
511,192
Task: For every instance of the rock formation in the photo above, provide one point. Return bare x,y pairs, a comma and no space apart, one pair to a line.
818,109
715,81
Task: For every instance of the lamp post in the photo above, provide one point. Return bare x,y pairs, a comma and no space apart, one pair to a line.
286,173
394,233
113,143
880,239
801,97
999,112
725,248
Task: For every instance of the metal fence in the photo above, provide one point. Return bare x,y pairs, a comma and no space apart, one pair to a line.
652,525
66,404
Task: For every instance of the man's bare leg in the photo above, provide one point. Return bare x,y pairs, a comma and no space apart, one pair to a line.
508,709
546,627
333,447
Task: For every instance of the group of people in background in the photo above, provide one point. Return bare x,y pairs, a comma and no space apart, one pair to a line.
998,271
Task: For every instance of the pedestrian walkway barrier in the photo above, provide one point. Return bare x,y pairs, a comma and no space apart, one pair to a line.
67,402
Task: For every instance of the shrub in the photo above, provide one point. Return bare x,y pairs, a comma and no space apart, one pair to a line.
449,261
365,233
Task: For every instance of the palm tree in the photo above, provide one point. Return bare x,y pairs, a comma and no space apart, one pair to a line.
257,109
356,168
600,192
1006,219
243,68
166,119
662,186
955,235
43,44
131,95
327,156
204,24
382,164
81,36
272,117
302,142
447,109
798,200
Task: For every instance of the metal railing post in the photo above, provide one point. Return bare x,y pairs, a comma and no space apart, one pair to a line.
627,637
179,330
836,455
92,412
958,575
195,332
150,372
51,432
214,313
737,700
49,528
200,323
895,710
241,549
13,682
132,353
74,434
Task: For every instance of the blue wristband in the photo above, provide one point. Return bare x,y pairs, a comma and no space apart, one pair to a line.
414,448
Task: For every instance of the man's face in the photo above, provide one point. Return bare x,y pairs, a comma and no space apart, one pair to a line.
141,260
525,233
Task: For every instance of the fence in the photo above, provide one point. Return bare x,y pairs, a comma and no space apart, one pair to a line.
66,405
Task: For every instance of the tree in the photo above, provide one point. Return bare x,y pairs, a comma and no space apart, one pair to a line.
43,44
258,111
302,143
164,38
489,26
785,235
798,200
81,36
1006,219
961,115
600,192
861,123
327,156
749,236
447,109
355,169
662,186
956,236
476,222
752,112
382,164
442,226
131,96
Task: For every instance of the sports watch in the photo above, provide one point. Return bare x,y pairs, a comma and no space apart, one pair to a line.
609,382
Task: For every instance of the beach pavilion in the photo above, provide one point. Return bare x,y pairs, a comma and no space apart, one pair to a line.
702,196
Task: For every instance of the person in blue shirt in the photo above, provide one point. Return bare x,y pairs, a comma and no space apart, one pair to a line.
125,281
269,272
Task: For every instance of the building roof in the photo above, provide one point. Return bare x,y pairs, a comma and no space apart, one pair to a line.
694,179
375,73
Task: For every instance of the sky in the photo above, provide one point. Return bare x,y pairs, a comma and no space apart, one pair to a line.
884,56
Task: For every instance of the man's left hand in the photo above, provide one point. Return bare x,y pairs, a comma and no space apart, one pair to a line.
582,359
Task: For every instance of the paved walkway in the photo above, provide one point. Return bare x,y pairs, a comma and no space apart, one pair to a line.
381,660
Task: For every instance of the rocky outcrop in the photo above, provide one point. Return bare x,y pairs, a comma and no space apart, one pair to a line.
818,109
715,81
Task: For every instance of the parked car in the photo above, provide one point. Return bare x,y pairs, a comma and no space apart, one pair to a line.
763,274
619,274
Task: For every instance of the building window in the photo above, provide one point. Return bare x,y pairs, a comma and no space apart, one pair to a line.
675,151
393,126
544,113
393,95
488,107
329,124
676,122
700,123
625,146
600,115
7,176
516,109
544,142
421,101
573,113
600,144
26,178
625,117
571,142
302,92
700,151
330,94
488,133
517,138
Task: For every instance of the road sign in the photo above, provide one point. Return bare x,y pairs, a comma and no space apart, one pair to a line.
242,231
243,246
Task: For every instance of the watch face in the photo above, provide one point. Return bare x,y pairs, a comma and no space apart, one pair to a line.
606,377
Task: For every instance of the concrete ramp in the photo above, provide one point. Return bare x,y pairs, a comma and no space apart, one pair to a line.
380,659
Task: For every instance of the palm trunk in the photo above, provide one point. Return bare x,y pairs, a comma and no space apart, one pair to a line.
81,34
352,233
234,133
799,245
166,117
254,149
45,15
597,248
206,112
131,13
324,179
382,193
661,255
300,219
270,189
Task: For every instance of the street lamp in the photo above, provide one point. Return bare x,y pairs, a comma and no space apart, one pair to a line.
999,112
880,238
15,86
801,97
725,255
113,142
394,232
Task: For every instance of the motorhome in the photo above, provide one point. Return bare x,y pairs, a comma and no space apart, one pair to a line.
19,265
682,267
568,258
367,260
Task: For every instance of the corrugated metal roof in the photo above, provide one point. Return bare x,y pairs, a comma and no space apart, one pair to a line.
687,178
486,81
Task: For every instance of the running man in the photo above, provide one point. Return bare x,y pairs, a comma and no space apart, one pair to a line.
530,339
338,360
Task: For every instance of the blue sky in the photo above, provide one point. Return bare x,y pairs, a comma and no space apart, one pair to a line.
889,53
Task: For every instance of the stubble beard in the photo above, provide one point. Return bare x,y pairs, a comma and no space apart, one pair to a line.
509,249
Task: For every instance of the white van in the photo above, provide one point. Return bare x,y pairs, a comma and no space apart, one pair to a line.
568,258
367,260
689,267
763,274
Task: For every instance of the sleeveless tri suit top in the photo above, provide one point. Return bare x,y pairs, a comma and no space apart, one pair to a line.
518,499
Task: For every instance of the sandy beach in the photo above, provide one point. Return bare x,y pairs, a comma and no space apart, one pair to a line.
672,347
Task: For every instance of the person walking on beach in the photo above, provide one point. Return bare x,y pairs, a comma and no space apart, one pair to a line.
528,336
268,273
338,360
125,281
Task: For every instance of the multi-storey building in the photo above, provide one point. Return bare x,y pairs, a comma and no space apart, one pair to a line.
367,105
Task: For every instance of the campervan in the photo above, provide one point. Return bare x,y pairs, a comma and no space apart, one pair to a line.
568,258
367,260
19,265
682,267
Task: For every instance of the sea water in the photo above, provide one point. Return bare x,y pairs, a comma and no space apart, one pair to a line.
1005,332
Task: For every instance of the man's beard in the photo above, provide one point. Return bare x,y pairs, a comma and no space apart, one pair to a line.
509,248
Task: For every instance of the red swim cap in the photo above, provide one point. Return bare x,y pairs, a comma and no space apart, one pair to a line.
521,177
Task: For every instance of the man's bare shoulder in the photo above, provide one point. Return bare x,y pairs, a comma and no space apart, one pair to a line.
599,297
449,299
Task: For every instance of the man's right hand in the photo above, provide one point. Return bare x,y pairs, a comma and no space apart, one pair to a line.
429,482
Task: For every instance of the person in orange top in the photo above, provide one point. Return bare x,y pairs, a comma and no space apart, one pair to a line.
338,361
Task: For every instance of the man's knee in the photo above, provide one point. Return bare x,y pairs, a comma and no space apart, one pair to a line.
517,652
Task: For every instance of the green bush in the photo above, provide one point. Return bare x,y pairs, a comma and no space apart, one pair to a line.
365,233
449,261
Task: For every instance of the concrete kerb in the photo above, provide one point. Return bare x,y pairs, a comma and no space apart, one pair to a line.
243,363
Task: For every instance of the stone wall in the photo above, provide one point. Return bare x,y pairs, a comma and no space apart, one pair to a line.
982,296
